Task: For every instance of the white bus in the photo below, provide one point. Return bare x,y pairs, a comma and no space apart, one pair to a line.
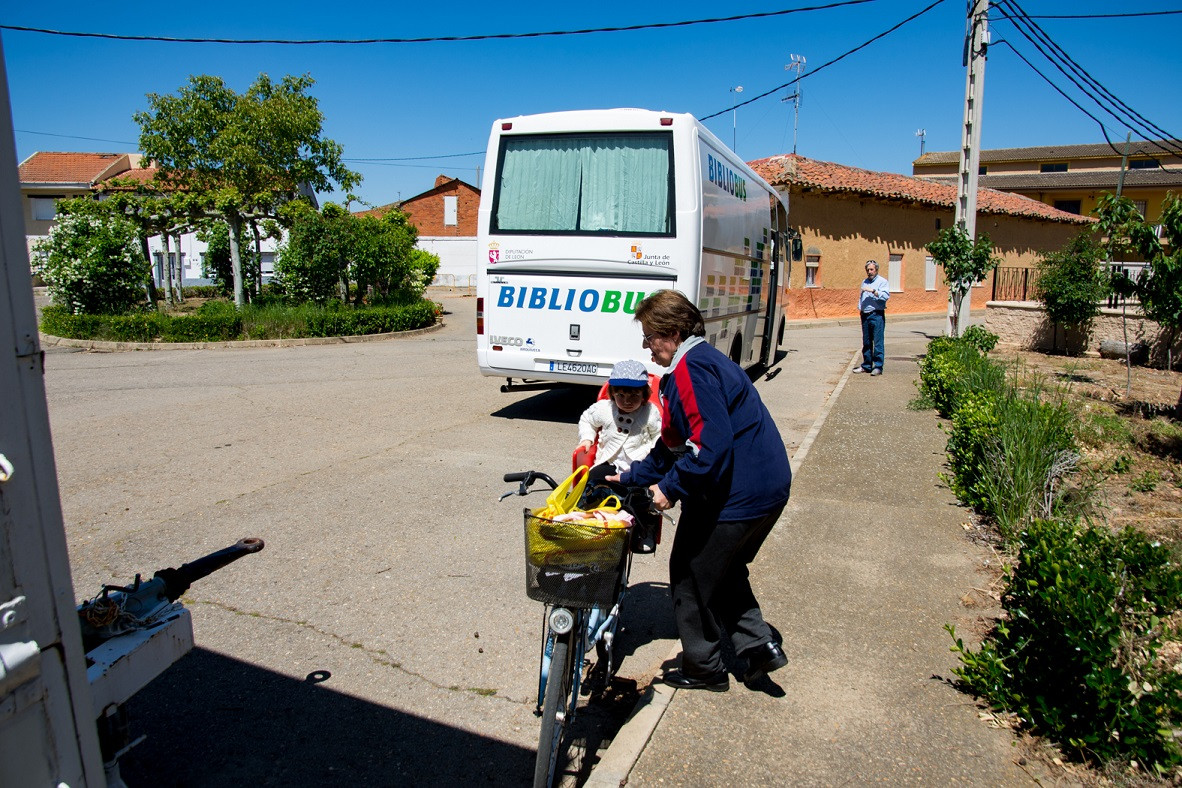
584,213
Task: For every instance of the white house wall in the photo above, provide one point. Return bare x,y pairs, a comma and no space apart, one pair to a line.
457,259
193,252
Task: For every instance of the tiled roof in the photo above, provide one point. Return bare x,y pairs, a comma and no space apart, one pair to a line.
380,210
1047,152
50,167
792,170
136,176
1094,179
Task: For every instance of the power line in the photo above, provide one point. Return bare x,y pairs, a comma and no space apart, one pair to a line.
1052,84
1118,109
825,65
74,137
1097,16
1103,129
420,158
1079,70
434,39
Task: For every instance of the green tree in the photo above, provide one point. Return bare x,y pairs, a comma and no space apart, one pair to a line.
313,265
217,265
381,253
326,250
242,156
1159,287
156,209
965,262
93,264
1071,284
423,267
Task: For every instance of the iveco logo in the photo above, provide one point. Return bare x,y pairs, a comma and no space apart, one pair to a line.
514,341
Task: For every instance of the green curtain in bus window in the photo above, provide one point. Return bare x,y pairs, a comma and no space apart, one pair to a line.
600,183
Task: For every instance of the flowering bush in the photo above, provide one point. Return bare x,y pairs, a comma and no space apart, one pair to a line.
93,265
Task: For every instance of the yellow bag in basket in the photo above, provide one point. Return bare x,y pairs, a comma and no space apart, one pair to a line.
565,496
593,538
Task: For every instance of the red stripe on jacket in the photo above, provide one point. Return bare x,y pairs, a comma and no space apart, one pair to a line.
689,406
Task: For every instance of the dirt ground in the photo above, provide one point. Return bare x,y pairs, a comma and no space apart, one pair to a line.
1131,428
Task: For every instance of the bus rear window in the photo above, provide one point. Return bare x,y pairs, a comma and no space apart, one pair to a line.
585,184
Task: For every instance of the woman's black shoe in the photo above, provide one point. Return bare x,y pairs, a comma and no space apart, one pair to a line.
762,660
719,682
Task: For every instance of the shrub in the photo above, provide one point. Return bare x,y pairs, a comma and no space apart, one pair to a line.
93,264
202,327
218,321
980,338
372,320
1077,655
1071,284
1025,459
201,291
971,436
952,367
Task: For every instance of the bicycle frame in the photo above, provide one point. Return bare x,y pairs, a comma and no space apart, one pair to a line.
569,633
595,625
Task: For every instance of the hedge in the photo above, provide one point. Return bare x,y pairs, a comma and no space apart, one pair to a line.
218,321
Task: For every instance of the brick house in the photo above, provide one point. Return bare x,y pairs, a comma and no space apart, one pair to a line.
1071,177
445,216
847,216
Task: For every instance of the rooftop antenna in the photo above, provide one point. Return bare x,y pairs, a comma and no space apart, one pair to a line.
734,123
922,133
796,65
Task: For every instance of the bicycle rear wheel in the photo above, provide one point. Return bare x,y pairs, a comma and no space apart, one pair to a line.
554,710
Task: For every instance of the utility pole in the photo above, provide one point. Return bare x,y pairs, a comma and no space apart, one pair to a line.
976,44
922,134
796,65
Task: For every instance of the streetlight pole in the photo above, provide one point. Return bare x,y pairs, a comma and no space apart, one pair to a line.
734,116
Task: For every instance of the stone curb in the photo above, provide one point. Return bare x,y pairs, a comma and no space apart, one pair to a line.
95,344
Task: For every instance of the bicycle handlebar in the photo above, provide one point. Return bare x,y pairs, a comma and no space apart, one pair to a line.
525,479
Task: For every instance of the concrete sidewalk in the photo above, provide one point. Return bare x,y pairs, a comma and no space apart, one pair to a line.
867,565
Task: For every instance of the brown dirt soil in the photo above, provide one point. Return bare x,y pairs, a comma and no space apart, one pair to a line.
1132,436
1131,429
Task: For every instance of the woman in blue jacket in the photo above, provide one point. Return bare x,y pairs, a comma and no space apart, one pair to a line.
720,456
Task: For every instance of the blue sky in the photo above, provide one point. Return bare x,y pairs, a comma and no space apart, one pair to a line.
424,103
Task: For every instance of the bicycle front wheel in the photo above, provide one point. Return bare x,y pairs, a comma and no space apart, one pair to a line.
554,711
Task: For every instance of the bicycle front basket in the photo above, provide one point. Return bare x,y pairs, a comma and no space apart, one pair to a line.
574,564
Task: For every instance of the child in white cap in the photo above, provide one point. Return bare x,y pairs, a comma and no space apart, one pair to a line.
627,423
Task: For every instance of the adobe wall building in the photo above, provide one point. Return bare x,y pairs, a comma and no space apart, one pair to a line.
847,216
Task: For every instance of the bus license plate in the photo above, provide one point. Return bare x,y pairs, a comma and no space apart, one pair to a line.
579,367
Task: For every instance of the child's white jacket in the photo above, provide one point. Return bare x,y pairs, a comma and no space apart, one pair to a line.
624,438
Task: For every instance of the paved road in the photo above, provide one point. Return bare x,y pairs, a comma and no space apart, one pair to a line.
383,636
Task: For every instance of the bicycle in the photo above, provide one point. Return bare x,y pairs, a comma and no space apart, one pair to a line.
580,572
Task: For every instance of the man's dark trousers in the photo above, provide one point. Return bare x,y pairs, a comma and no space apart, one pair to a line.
873,328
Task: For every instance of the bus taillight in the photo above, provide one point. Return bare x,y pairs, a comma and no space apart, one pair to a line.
479,316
